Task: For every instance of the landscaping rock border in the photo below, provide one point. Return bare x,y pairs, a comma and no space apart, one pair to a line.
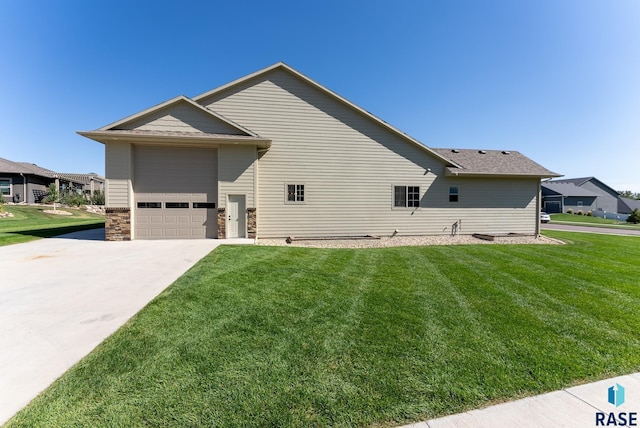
404,241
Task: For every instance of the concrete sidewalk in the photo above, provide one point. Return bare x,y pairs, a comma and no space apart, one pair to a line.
60,297
575,407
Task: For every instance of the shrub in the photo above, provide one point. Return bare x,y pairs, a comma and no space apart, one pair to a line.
52,196
97,198
589,213
73,199
569,211
579,212
634,217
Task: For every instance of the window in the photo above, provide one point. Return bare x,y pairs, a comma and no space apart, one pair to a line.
453,194
5,186
580,204
149,205
295,192
406,196
176,205
204,205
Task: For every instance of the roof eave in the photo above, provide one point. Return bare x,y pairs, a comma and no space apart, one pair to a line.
105,137
461,173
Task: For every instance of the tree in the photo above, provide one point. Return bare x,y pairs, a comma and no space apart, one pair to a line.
628,194
634,217
53,196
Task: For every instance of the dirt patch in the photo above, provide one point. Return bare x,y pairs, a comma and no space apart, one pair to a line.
57,212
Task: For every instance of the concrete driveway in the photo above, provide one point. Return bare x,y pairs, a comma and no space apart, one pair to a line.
60,297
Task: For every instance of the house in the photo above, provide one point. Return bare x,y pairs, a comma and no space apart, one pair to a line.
560,197
275,154
28,182
86,183
582,194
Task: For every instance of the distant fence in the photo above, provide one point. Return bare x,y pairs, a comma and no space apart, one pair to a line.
610,216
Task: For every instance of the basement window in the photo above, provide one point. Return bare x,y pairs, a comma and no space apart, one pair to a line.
453,194
295,192
406,196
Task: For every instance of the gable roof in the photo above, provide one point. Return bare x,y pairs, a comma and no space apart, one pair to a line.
566,189
631,203
581,181
329,92
117,130
493,163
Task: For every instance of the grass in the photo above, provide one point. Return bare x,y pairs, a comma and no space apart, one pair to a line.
29,223
592,221
265,336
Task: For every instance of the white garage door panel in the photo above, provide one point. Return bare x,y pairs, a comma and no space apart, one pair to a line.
167,176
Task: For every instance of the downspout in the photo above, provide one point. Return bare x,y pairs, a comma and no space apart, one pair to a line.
24,188
539,206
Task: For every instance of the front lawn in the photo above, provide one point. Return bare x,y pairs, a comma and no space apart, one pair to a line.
276,336
30,222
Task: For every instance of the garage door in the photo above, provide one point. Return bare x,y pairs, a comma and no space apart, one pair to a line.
175,192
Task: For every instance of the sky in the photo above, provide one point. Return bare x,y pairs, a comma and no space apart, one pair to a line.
557,80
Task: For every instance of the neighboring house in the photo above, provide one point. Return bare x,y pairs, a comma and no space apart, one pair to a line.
28,182
86,183
559,197
607,199
275,154
629,205
21,181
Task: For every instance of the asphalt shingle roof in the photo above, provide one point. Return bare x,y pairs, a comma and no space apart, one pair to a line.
563,188
493,162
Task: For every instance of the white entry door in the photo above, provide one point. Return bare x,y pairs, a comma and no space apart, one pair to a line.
236,218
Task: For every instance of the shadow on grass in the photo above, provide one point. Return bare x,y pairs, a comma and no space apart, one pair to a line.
65,230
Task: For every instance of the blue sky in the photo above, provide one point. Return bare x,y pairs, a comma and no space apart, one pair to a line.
558,80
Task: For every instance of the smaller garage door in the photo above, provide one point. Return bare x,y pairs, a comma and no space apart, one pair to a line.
175,193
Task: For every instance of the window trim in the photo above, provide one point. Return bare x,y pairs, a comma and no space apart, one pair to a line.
454,196
297,189
10,180
409,189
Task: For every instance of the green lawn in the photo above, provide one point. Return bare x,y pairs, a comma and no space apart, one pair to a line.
29,223
276,336
592,221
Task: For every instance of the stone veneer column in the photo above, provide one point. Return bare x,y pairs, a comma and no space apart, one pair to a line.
222,224
252,224
117,224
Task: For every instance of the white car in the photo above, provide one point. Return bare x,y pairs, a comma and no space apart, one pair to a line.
544,217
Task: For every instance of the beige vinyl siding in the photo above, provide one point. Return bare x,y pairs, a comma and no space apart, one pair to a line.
119,170
349,165
182,118
236,173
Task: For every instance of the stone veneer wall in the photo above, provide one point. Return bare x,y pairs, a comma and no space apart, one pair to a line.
252,224
222,224
117,224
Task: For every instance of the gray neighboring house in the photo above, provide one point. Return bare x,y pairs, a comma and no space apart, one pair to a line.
28,182
580,197
629,205
276,154
559,197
